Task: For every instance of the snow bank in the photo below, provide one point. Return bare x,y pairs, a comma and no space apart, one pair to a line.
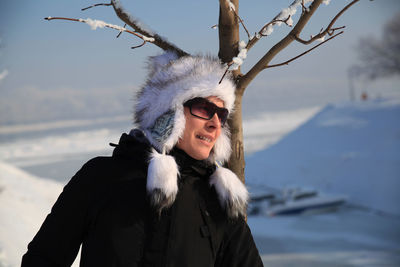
55,148
25,200
349,148
348,237
268,128
63,125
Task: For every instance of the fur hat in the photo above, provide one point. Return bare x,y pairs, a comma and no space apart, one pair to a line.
160,115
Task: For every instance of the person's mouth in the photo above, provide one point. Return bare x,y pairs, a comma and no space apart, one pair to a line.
208,139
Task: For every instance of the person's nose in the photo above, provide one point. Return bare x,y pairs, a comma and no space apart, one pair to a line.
214,122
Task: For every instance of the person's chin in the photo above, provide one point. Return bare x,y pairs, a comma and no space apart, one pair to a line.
201,154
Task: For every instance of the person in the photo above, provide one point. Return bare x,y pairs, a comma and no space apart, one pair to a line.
163,198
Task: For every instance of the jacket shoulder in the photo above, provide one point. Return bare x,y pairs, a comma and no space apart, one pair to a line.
104,168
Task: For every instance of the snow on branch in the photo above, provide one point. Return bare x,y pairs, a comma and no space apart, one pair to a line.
94,24
284,17
138,29
233,10
236,61
231,6
239,59
293,35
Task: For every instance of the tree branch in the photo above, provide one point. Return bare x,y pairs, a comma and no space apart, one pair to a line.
83,9
226,71
302,54
288,39
134,23
329,29
97,23
137,46
119,34
241,22
275,20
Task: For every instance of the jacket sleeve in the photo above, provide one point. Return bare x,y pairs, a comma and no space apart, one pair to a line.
238,247
58,240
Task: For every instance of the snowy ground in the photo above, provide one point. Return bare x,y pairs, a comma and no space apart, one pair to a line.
347,237
350,149
24,203
347,148
25,200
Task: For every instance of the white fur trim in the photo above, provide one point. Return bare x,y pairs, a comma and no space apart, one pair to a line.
188,77
162,185
157,62
222,147
232,193
177,131
162,179
172,82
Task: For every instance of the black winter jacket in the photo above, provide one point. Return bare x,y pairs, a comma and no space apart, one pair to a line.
106,209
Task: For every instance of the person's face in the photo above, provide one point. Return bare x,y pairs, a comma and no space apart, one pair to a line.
200,135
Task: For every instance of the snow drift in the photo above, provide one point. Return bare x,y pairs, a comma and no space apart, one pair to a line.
348,148
25,200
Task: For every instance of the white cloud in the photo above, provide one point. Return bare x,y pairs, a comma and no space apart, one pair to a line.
3,75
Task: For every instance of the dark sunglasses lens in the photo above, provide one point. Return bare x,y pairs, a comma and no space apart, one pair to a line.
222,115
202,109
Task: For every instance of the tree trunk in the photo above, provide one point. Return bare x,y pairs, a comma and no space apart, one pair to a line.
228,27
228,48
236,162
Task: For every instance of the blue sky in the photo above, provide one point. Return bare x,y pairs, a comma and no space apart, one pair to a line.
58,56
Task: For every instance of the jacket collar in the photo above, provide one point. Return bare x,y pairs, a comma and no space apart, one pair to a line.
164,170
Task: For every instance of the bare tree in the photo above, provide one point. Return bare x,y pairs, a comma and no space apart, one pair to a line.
232,51
380,58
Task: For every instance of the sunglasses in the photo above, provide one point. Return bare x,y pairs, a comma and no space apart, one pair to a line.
204,109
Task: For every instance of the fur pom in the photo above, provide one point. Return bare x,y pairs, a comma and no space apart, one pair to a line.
222,148
162,180
232,193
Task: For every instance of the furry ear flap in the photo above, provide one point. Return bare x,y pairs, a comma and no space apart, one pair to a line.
222,147
232,193
162,180
157,62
